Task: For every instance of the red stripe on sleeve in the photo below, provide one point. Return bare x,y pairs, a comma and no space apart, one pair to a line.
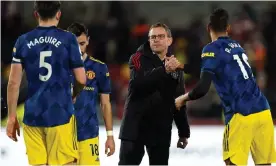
136,60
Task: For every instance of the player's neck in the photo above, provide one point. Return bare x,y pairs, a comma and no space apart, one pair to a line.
84,56
215,36
48,23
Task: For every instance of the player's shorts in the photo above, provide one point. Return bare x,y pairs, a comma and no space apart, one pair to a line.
253,133
51,145
89,152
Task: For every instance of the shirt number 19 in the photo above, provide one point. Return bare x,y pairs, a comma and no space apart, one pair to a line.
239,61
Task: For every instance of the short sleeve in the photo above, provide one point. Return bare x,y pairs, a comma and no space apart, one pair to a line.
104,80
16,56
75,53
209,58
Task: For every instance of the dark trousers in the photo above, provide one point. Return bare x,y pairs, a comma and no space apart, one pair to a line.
132,153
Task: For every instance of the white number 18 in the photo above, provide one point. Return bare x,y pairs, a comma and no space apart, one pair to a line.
245,59
42,63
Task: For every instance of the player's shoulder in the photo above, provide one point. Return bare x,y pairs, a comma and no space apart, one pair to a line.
55,30
97,65
66,33
26,35
210,50
213,46
20,41
96,61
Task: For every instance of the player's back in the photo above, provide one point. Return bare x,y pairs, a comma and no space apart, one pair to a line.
46,56
233,78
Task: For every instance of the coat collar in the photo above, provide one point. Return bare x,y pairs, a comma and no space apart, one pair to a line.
147,52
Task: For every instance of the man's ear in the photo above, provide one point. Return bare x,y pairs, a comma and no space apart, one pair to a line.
36,15
170,40
88,38
208,28
58,15
228,29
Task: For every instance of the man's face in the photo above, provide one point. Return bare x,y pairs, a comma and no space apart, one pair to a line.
159,40
83,42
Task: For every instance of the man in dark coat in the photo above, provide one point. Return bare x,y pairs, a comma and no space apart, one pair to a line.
149,108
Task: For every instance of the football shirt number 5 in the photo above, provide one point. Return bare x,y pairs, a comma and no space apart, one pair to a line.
42,63
245,59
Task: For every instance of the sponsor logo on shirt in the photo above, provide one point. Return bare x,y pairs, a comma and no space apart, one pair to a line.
208,54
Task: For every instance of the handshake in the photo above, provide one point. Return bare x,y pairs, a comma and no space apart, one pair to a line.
172,64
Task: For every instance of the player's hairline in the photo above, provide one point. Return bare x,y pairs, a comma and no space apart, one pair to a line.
75,25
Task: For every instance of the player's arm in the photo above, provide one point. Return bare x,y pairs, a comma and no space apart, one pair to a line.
79,83
143,80
180,117
209,64
107,113
13,92
14,80
104,84
76,64
201,88
108,121
13,88
104,90
187,68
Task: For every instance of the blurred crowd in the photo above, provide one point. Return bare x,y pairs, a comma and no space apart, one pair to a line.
116,32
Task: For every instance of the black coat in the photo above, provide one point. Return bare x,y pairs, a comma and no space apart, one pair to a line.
149,109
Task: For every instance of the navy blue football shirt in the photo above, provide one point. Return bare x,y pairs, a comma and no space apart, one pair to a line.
233,78
48,55
98,81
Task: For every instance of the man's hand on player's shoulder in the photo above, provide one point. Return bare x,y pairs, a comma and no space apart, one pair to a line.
13,128
109,146
182,143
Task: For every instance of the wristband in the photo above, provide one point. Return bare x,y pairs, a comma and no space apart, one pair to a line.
109,133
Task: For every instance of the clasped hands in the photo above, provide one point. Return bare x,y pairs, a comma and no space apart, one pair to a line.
171,64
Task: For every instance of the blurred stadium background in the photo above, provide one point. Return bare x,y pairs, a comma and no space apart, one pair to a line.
118,28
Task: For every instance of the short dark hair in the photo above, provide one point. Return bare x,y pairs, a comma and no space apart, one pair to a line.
47,9
162,25
219,20
78,29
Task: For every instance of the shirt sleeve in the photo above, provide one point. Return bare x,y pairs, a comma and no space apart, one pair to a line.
104,80
75,53
202,86
209,58
16,56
